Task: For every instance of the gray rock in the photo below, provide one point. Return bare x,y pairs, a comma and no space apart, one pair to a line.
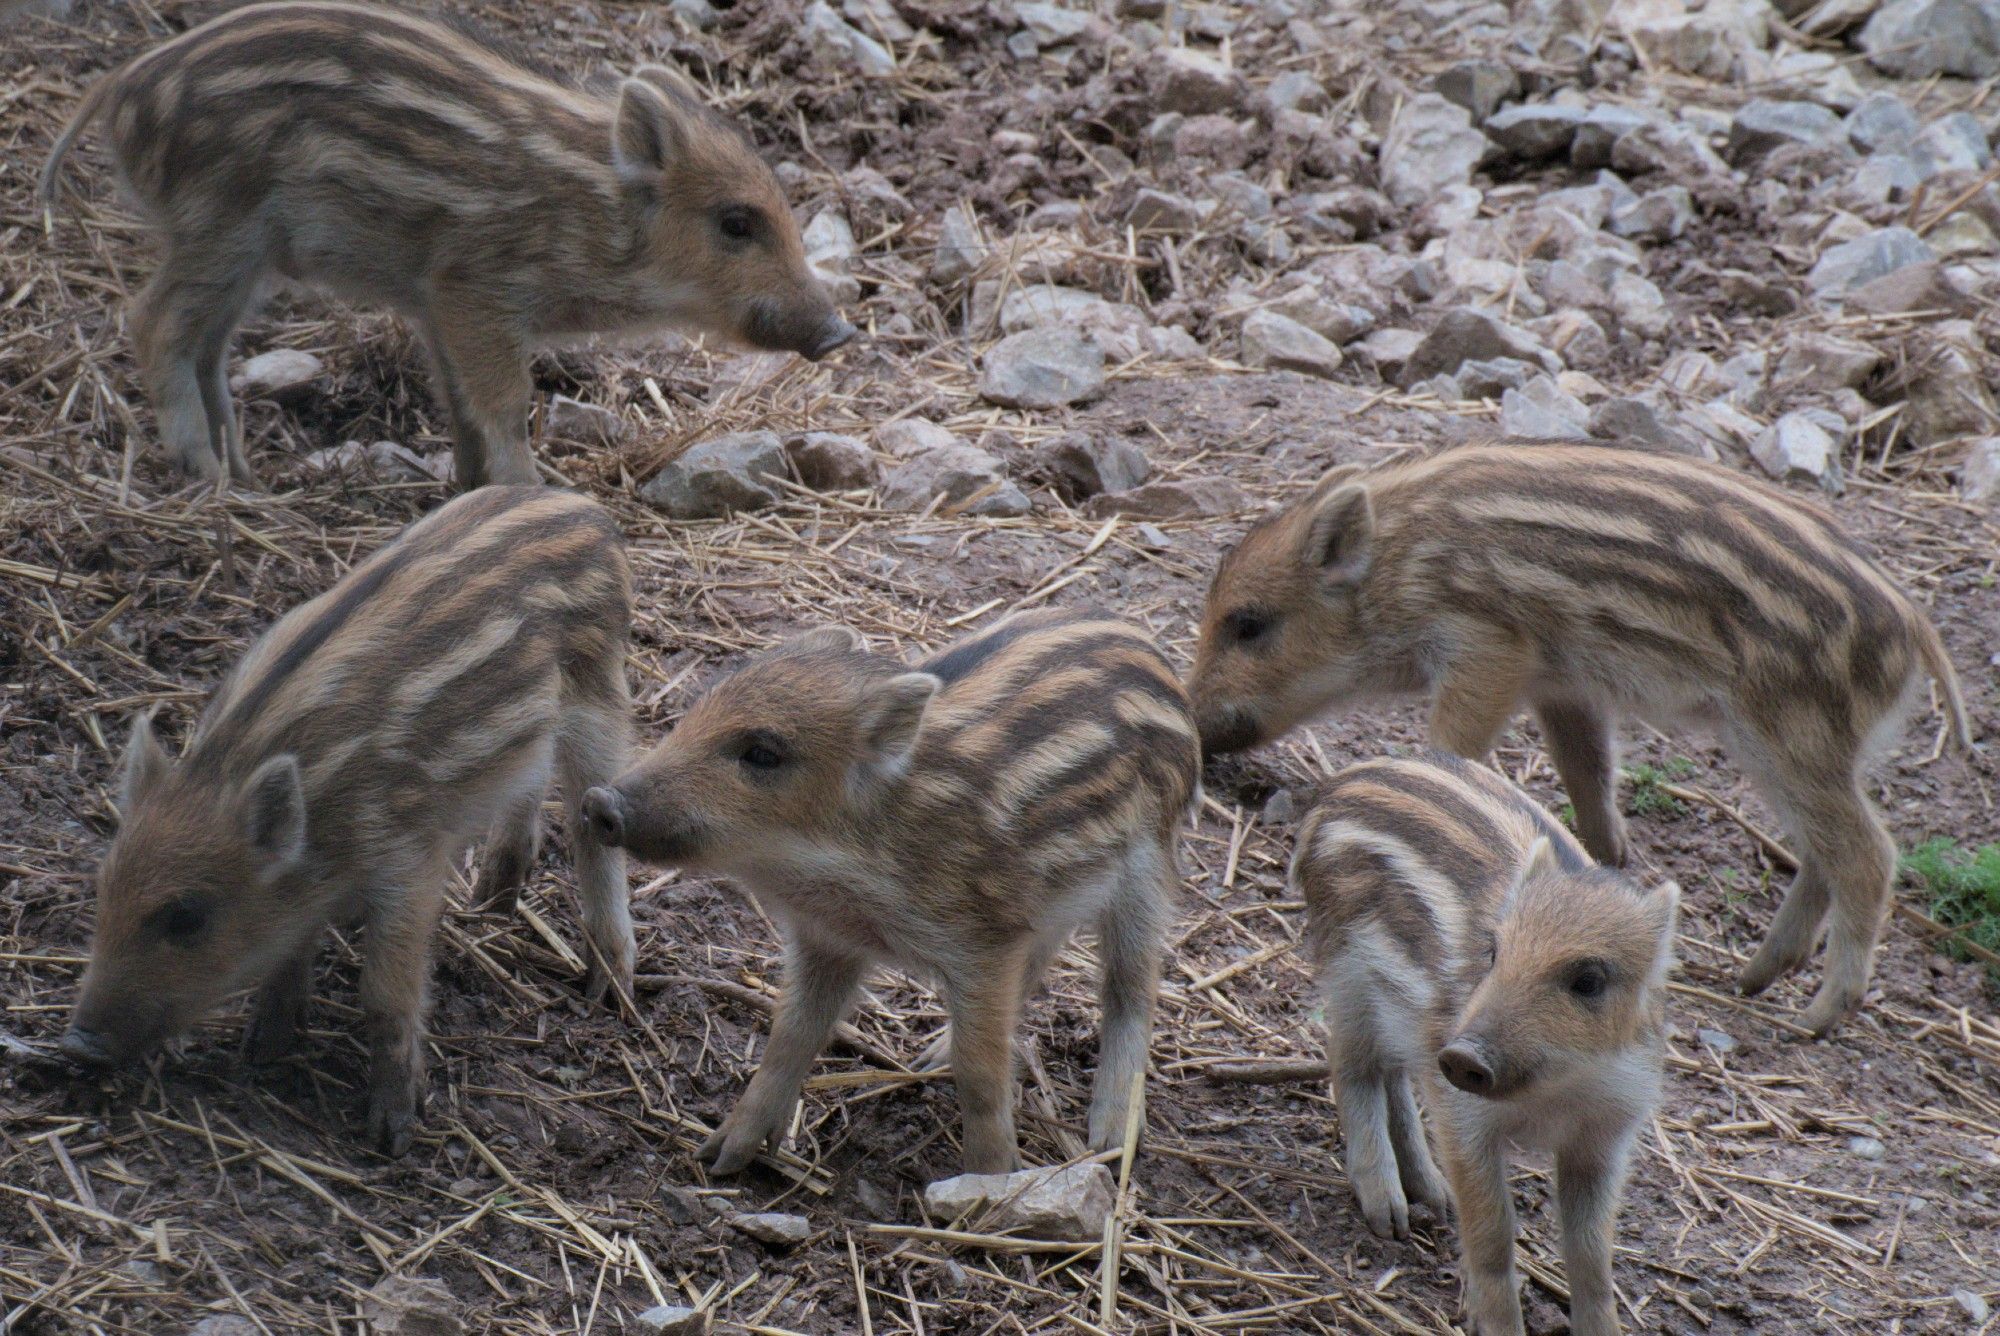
1465,335
1676,150
1542,410
225,1324
1946,397
1193,82
1388,351
1882,123
1052,25
1283,344
772,1227
828,462
1480,86
1954,143
1826,361
878,18
1599,130
1162,211
958,472
386,461
906,437
573,420
1758,293
1179,499
833,39
1657,215
1833,18
1979,475
1431,145
1918,39
829,243
673,1320
1796,448
1339,322
1716,1041
1711,44
1083,464
1531,133
1630,421
1041,369
1765,125
1295,90
1851,263
409,1306
1240,193
959,251
719,476
1974,1306
1867,1148
1066,1202
1491,378
284,374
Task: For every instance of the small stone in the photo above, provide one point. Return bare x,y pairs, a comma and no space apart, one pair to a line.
1295,90
673,1320
408,1306
1337,322
1069,1202
958,472
1479,86
1542,410
573,420
1676,150
1431,145
1868,1148
1532,133
284,374
959,252
1833,18
1914,287
1974,1306
1084,464
828,462
1716,1041
832,38
1920,39
1827,361
1601,128
829,243
1465,334
1658,215
1041,369
1851,263
1193,82
1797,448
719,476
225,1324
906,437
1963,234
386,461
1179,499
1763,126
1283,344
1052,25
879,18
1882,123
1388,351
1758,293
1160,211
1946,396
1634,421
772,1227
1491,378
1979,475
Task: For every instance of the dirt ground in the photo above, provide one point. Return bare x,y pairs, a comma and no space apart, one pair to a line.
1787,1186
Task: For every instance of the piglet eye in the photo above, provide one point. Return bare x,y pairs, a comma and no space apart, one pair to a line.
760,751
736,223
181,921
1588,982
1246,626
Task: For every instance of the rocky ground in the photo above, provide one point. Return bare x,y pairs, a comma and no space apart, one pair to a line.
1128,273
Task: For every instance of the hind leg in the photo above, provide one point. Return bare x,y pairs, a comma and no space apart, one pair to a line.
483,372
1414,1166
511,849
1130,936
180,332
590,750
1041,954
1580,743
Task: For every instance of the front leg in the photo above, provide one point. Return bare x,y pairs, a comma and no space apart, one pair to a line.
1476,696
984,1002
278,1016
482,369
819,986
1477,1169
395,975
1587,1189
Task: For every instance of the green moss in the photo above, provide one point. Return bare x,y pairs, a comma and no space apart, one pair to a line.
1964,890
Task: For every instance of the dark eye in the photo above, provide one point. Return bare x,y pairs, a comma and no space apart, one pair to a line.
761,752
1246,626
181,921
1588,981
736,223
1492,952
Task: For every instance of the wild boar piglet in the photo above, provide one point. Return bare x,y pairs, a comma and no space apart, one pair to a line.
960,820
392,159
1463,941
1588,583
358,747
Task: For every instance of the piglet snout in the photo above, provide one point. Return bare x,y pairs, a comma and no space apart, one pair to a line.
604,810
1465,1065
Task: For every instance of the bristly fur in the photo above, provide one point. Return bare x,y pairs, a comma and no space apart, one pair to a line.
393,159
960,820
349,757
1451,923
1588,583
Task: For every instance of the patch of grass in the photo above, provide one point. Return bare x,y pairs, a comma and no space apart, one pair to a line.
1964,887
1648,795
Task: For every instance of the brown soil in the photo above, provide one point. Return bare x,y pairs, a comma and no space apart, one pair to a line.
554,1188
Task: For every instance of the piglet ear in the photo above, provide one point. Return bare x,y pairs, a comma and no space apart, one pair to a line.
1340,535
893,715
1541,860
1663,902
825,640
650,132
274,811
671,80
144,765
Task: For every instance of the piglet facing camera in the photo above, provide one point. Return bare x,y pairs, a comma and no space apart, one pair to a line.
1468,947
959,820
